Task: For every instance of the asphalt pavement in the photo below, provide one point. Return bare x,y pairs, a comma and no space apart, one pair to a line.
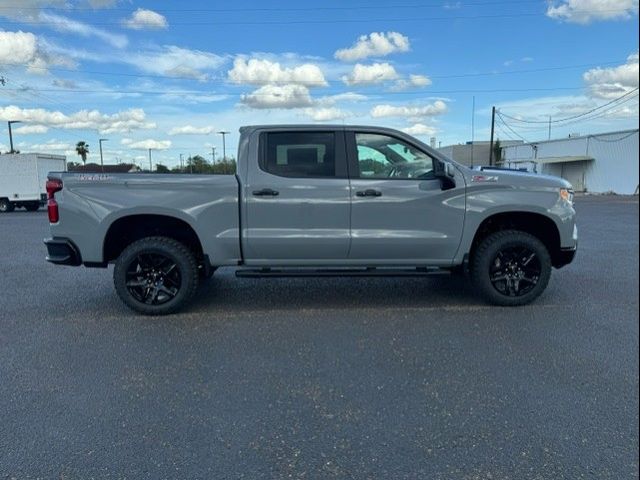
322,378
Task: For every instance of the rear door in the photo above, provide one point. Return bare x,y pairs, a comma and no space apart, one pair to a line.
297,199
399,212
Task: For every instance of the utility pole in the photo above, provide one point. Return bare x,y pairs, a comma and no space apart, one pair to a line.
549,127
10,135
473,127
493,124
100,140
213,155
181,163
150,164
190,164
224,146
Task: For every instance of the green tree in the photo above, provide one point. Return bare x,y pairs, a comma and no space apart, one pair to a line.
82,149
197,164
160,168
497,152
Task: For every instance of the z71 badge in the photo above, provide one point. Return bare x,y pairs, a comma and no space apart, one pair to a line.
484,178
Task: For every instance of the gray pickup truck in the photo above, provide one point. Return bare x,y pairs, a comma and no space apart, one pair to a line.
311,200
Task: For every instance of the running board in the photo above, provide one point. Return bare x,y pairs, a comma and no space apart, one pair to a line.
339,272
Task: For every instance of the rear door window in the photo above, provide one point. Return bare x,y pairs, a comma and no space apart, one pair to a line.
301,154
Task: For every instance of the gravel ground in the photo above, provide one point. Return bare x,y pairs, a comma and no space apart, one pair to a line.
323,378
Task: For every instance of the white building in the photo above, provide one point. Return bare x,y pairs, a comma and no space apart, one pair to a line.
473,153
600,163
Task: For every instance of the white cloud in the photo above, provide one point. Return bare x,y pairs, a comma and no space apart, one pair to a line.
193,98
51,145
123,121
278,96
64,83
65,24
342,97
420,129
24,48
263,72
613,82
102,3
324,114
176,61
414,81
191,130
587,11
376,44
436,108
27,129
370,74
150,144
145,19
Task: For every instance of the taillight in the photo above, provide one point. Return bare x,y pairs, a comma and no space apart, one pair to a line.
53,185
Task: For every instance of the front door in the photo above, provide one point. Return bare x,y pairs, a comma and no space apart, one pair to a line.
399,212
297,199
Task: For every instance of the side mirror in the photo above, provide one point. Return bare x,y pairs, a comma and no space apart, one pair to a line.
446,173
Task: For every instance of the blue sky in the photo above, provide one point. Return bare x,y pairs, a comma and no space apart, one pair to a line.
169,75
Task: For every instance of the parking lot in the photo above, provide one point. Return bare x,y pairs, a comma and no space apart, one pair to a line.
323,378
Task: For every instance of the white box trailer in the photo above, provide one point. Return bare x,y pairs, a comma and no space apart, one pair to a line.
23,177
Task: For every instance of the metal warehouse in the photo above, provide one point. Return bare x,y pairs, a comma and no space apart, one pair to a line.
599,163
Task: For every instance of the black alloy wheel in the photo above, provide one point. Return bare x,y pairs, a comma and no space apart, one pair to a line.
153,278
515,271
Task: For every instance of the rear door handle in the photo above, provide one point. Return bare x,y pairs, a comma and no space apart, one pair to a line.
369,192
266,192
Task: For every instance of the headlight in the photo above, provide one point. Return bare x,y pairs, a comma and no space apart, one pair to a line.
566,195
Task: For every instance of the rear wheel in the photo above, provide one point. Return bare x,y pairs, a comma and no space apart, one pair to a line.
6,206
156,276
511,268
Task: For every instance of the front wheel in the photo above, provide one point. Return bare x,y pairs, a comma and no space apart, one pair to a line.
156,276
511,268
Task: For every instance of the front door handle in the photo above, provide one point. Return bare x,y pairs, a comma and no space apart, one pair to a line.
266,192
369,192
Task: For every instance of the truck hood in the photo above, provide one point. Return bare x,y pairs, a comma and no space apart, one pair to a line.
520,179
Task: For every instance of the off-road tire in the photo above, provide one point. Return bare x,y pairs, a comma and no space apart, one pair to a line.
173,250
487,252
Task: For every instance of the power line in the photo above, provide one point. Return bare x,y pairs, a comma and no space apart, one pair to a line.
202,93
340,21
280,9
574,116
585,118
455,75
511,129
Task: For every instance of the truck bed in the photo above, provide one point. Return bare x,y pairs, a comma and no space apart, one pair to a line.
91,202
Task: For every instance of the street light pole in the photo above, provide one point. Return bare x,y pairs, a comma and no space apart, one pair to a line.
150,164
100,140
181,167
10,134
224,146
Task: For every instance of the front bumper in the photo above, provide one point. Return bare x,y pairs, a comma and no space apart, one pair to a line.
62,251
566,256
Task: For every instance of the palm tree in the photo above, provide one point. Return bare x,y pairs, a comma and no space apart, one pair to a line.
82,149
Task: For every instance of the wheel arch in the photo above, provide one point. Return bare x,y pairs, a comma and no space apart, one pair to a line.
128,228
537,224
